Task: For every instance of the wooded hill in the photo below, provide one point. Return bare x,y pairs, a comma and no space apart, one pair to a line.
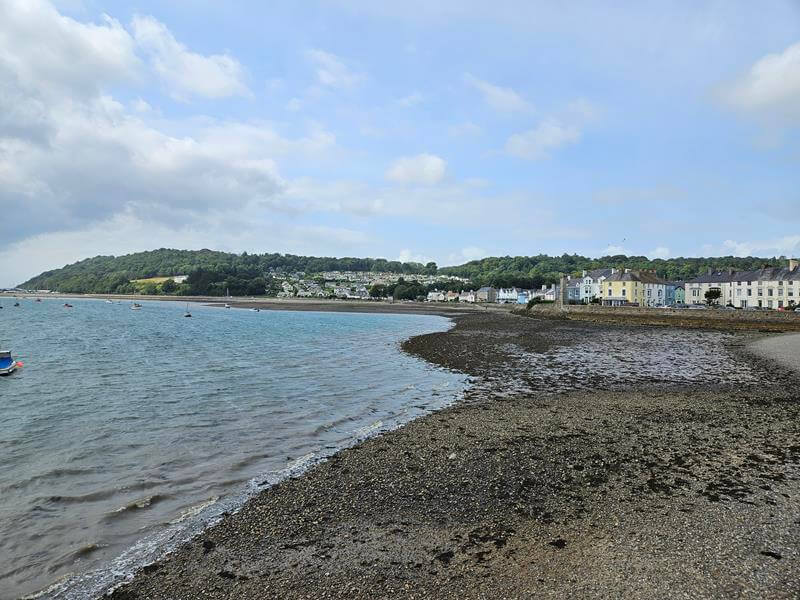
211,272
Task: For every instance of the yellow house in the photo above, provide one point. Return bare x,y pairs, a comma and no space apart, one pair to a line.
641,287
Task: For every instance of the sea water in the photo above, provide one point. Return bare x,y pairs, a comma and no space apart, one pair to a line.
129,431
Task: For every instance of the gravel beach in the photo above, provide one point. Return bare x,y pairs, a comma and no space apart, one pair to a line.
585,461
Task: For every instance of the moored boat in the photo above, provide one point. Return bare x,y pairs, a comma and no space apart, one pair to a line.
7,364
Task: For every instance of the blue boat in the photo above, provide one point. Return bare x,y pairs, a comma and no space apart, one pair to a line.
7,364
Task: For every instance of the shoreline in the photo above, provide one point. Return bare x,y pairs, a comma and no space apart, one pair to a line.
717,320
636,492
296,304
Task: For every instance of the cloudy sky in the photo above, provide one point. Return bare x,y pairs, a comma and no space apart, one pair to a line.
420,130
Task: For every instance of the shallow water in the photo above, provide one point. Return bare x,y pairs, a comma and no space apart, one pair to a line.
127,431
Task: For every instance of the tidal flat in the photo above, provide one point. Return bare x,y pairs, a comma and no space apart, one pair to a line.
584,461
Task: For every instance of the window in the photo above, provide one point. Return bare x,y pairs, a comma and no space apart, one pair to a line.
780,291
770,292
780,303
623,291
760,291
738,292
749,292
769,303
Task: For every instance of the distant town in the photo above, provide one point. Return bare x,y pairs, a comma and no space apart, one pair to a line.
775,288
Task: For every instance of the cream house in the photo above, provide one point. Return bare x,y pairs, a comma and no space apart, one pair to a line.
770,287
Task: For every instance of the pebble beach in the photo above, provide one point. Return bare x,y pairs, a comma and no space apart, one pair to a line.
637,484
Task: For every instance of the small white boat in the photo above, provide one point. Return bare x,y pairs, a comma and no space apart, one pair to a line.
187,313
7,364
109,302
136,306
227,305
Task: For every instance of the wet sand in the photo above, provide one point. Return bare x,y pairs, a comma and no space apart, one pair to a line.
782,349
646,489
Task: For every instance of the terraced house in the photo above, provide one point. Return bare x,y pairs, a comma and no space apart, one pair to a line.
640,287
770,287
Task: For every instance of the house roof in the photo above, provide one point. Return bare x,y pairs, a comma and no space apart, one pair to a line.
765,274
597,273
640,276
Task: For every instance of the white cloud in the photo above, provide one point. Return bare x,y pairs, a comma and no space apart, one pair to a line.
771,87
500,98
410,100
44,52
71,155
537,143
424,169
660,252
407,255
183,72
294,104
788,245
331,70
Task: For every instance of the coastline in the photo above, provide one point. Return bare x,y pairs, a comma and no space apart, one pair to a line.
641,491
766,321
297,304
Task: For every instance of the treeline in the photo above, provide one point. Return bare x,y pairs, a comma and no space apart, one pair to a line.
212,273
533,271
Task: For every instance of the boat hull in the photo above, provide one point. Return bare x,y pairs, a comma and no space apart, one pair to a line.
8,370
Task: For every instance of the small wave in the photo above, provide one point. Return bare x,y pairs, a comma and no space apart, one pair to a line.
195,510
368,429
52,588
300,462
141,503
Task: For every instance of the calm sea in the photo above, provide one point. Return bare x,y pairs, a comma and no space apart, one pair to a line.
129,431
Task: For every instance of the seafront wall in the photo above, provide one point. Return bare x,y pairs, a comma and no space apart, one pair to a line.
763,320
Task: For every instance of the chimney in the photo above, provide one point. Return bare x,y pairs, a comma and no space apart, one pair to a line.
627,270
710,270
584,273
613,271
793,264
730,271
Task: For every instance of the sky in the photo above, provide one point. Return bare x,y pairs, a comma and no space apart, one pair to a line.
413,130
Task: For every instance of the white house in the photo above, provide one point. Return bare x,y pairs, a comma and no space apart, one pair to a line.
591,283
508,295
436,296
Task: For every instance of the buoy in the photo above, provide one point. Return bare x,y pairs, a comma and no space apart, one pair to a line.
20,365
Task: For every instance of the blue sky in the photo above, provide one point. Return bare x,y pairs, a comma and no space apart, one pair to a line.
440,131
